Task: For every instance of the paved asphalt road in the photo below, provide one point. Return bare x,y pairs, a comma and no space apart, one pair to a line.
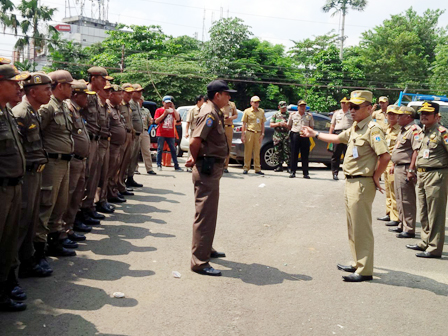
283,242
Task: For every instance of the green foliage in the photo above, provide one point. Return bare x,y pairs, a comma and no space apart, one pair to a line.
68,55
439,78
26,65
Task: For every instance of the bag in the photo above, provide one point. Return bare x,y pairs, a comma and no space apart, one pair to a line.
207,165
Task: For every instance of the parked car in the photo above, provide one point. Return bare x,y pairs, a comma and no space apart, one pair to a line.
318,152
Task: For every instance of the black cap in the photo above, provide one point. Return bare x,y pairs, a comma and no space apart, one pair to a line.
218,86
429,107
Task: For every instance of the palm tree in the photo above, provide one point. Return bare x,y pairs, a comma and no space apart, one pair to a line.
342,6
7,18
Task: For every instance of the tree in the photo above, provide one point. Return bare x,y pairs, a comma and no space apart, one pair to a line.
439,78
342,6
7,18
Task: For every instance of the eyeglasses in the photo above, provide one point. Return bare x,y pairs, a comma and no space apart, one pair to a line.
356,107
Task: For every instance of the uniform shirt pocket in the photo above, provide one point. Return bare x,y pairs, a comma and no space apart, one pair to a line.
7,143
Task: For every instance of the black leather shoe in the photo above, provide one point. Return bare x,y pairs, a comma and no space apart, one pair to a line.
259,173
384,218
127,193
67,243
216,254
102,207
85,217
17,293
335,177
95,215
427,255
349,269
131,183
356,277
152,172
76,237
278,169
396,230
129,189
392,223
306,177
81,227
60,252
208,271
406,235
31,269
8,305
244,171
116,200
226,170
414,247
292,175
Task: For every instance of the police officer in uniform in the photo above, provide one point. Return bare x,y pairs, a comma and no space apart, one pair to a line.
380,116
404,156
279,122
252,134
300,144
432,182
340,121
209,150
38,92
366,159
230,114
145,140
12,171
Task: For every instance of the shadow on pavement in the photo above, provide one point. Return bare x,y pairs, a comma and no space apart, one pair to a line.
149,190
257,274
113,246
128,232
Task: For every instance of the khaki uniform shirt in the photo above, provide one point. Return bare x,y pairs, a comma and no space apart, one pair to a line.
79,132
210,128
381,118
90,115
117,127
56,127
253,119
408,140
126,112
146,118
103,119
296,121
192,116
433,151
365,142
11,151
136,116
29,126
229,111
341,120
391,136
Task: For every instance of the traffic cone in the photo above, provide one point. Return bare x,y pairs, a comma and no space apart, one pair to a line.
166,156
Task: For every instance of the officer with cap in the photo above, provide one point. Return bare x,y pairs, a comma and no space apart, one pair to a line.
12,171
38,92
252,134
4,60
230,114
366,159
279,122
78,165
297,120
145,140
209,150
404,156
56,126
340,121
380,116
393,128
432,182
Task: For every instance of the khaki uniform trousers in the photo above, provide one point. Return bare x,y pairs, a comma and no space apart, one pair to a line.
53,198
115,154
359,196
252,149
125,162
76,191
229,136
432,196
93,163
145,146
134,156
391,202
11,198
406,199
103,150
206,198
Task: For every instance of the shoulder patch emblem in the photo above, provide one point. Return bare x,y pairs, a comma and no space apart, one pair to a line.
377,138
209,122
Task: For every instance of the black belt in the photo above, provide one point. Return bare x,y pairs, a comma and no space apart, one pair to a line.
10,181
253,131
36,167
424,170
356,176
79,157
65,157
401,164
228,125
217,160
104,137
129,131
93,137
137,134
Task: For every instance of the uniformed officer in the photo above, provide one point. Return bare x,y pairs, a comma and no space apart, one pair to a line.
282,147
230,114
366,159
404,156
191,120
12,171
432,182
38,92
209,150
300,144
145,140
340,121
393,128
137,122
252,134
380,116
78,165
56,126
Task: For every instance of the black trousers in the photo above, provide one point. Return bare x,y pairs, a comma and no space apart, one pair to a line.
299,145
336,158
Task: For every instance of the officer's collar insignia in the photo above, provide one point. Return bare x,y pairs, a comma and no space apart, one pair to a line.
433,136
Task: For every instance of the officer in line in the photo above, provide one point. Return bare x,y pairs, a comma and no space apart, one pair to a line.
432,182
209,150
380,116
393,128
297,120
38,92
404,156
145,140
12,171
340,121
252,134
279,122
366,159
192,115
230,114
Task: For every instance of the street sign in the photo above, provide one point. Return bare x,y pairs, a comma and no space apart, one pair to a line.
63,28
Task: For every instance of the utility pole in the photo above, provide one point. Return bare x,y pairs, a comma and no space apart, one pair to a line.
203,27
341,52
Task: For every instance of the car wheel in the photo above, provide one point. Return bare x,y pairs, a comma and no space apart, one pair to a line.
267,157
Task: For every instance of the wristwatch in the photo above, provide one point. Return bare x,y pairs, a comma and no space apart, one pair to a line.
317,135
411,171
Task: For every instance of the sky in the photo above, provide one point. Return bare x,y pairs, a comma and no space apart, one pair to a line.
277,21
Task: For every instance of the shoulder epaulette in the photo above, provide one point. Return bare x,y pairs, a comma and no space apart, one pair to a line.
372,124
442,129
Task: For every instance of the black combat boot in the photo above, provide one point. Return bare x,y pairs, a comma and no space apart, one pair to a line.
104,207
39,258
131,183
6,303
55,247
13,288
31,269
86,216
